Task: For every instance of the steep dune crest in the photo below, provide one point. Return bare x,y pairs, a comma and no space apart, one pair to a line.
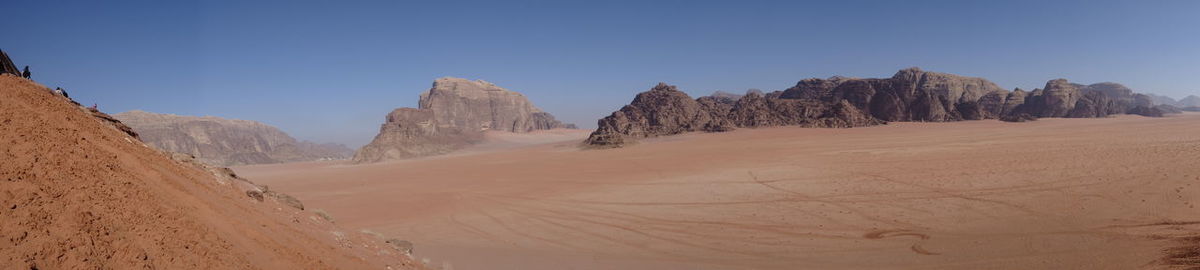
79,193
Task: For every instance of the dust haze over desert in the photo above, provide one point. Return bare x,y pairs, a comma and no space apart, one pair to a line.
600,135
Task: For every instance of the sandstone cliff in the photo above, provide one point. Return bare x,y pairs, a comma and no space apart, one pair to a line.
451,115
226,142
910,95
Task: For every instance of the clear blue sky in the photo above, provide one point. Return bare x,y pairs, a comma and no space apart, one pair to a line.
329,71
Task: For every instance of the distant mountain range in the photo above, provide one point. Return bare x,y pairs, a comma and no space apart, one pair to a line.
1191,101
911,95
226,142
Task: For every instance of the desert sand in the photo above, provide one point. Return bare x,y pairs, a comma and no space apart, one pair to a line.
77,193
1108,193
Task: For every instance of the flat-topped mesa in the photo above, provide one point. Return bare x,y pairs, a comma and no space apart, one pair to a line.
911,94
479,104
451,115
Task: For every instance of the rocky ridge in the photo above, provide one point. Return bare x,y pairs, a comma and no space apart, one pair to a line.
839,102
451,115
226,142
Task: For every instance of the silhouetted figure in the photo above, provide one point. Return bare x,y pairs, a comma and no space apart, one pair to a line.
61,92
26,73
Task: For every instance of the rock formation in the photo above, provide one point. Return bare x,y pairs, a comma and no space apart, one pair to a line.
7,66
226,142
664,110
453,114
910,95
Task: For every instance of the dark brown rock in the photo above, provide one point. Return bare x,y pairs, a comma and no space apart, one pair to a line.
7,66
1146,111
1013,100
664,110
909,95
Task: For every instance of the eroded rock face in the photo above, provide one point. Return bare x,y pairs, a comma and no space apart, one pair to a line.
478,104
410,133
451,115
225,142
664,110
910,95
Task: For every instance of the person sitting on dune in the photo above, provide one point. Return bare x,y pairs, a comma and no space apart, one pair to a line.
26,73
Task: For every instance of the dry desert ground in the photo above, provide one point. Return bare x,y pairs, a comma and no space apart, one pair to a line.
1110,193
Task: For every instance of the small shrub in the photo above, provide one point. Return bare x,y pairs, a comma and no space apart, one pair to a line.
372,233
323,215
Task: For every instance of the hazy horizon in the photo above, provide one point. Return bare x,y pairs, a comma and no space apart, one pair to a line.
327,72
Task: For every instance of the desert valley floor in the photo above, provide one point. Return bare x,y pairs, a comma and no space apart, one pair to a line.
1110,193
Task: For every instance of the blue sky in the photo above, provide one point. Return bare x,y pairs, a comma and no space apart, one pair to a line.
329,71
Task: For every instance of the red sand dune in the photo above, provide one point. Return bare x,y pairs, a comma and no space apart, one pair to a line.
76,193
1111,193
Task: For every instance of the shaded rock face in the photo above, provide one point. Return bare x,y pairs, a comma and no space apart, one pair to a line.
7,66
412,133
1168,109
1064,99
840,102
451,115
910,95
664,110
225,142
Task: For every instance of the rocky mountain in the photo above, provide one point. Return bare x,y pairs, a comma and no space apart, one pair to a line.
453,114
910,95
226,142
1189,101
664,110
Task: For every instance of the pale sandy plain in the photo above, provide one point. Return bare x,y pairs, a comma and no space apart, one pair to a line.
1106,193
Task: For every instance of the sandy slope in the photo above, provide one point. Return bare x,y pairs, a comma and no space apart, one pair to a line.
78,194
1052,194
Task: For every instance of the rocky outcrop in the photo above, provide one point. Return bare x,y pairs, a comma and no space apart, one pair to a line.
461,103
225,142
664,110
7,66
453,114
412,133
838,102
